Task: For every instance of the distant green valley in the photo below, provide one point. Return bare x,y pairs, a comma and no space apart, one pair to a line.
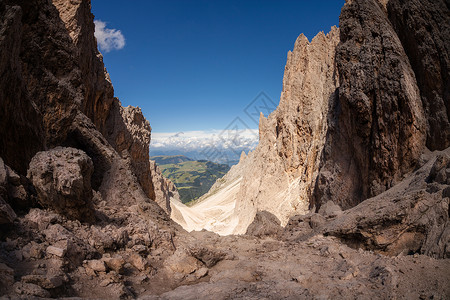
191,177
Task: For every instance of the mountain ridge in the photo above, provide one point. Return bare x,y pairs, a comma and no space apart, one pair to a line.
169,159
347,128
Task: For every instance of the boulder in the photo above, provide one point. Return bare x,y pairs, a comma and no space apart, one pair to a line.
30,289
138,261
330,209
7,214
114,263
96,265
208,256
46,282
62,178
6,277
182,262
264,224
15,189
60,252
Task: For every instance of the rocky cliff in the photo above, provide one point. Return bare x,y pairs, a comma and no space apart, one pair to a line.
378,126
125,128
165,190
55,92
282,169
279,174
358,108
51,56
423,28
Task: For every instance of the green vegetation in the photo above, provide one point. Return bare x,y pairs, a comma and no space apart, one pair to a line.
192,178
167,159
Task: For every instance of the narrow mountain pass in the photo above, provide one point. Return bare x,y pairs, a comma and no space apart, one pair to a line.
215,213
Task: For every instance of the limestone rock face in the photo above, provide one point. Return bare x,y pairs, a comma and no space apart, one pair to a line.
54,71
279,175
423,28
378,130
125,128
358,108
292,137
164,188
62,178
129,133
20,123
99,93
412,217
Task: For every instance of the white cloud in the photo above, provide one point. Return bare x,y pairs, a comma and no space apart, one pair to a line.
223,139
108,39
222,146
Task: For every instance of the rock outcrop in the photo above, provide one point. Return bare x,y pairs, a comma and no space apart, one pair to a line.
125,128
423,28
62,178
164,189
129,133
358,108
412,217
20,122
98,98
57,93
378,127
282,169
56,48
16,190
279,175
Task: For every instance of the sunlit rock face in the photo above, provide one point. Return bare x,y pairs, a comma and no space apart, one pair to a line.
53,71
165,189
282,170
358,108
125,128
279,174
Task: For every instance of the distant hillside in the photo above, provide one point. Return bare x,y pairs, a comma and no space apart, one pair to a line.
169,159
229,157
192,178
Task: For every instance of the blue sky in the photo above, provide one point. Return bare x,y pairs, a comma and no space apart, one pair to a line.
196,65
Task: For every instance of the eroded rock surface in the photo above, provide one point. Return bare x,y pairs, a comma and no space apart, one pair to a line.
129,133
279,175
412,217
423,28
378,126
51,58
62,178
359,134
164,189
22,130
